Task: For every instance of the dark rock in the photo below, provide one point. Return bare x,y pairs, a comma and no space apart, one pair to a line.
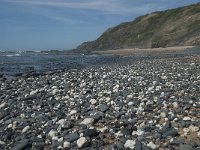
119,114
90,133
72,137
138,145
171,132
185,147
21,145
38,144
103,107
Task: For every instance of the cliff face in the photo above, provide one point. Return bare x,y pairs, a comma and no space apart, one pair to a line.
175,27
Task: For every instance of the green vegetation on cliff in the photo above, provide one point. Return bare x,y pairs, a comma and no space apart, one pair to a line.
174,27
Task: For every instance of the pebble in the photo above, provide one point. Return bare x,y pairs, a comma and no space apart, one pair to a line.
82,142
72,112
87,121
21,145
25,129
93,101
66,144
186,118
130,144
71,137
52,133
152,145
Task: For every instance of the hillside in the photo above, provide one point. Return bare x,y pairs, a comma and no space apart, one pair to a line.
174,27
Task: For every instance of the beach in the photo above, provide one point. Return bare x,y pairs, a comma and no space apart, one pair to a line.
141,100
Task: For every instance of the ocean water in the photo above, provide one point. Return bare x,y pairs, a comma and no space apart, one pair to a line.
17,63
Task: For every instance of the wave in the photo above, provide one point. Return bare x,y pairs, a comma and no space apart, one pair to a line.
13,55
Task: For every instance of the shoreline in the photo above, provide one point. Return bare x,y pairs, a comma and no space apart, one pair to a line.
142,50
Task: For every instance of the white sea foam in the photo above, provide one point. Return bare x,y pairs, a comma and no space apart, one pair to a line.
13,55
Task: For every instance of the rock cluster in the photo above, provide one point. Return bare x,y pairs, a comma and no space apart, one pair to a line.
147,104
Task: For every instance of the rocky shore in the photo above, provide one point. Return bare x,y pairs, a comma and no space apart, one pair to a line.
143,104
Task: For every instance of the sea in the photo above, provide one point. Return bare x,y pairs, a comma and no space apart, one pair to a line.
16,63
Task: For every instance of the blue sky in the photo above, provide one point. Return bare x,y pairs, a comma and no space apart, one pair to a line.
64,24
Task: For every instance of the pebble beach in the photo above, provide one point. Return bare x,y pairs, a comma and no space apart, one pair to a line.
142,104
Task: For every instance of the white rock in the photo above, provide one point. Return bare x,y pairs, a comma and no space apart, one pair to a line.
158,88
118,134
186,118
152,145
130,103
130,144
10,126
175,104
60,139
198,134
73,112
25,129
2,143
3,105
87,121
66,144
186,130
164,77
61,121
163,114
155,82
103,130
150,88
129,96
54,91
52,133
82,142
194,128
33,92
93,101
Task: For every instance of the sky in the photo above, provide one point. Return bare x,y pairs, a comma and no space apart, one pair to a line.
65,24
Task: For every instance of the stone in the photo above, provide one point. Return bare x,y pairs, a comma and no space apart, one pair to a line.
2,142
25,129
175,105
193,128
21,145
185,147
130,103
138,145
152,145
72,112
71,137
87,121
3,105
163,114
93,101
90,132
171,132
103,130
33,92
66,144
52,133
130,144
103,107
82,142
186,118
